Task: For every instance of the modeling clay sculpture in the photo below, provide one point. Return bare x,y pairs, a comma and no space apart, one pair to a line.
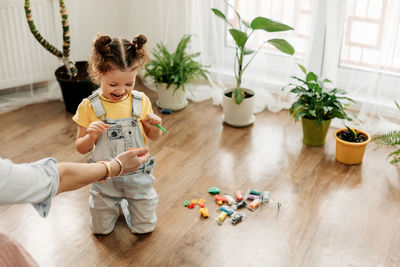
227,210
204,212
214,190
221,217
229,200
239,196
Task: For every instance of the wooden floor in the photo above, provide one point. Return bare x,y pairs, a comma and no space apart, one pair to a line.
331,215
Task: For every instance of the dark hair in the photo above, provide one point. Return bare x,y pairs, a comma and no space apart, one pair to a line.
116,53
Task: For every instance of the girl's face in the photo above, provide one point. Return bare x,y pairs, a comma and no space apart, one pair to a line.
115,84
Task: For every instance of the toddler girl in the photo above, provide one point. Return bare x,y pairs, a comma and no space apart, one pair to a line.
114,119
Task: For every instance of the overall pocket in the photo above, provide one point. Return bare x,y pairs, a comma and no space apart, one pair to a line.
115,140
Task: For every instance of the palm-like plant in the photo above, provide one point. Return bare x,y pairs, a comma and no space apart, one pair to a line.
177,68
391,139
242,34
64,54
315,102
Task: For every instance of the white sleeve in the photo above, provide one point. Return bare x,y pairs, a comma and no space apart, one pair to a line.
35,183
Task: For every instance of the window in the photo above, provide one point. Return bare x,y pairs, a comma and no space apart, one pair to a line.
371,26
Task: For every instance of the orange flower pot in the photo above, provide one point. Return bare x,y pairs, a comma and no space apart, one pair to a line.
348,152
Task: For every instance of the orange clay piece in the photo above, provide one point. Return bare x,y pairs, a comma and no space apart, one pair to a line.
141,155
201,201
219,202
193,201
220,198
255,203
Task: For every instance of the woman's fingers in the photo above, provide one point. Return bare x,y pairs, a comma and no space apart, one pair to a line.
132,159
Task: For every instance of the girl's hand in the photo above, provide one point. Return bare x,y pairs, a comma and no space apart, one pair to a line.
96,128
150,128
151,120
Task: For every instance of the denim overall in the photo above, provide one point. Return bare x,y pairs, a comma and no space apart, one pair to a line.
134,191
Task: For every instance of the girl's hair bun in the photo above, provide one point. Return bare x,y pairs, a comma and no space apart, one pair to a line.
139,41
101,45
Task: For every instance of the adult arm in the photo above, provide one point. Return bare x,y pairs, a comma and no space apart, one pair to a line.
77,175
39,181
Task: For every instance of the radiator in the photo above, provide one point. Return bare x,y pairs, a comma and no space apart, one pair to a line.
22,59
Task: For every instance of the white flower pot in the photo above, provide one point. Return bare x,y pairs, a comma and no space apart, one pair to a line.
238,115
167,99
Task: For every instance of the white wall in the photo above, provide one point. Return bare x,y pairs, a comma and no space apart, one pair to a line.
89,17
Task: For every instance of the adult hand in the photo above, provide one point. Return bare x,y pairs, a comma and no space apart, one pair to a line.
132,159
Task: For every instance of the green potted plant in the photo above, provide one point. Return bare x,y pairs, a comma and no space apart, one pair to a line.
238,103
316,106
392,138
72,77
171,73
350,145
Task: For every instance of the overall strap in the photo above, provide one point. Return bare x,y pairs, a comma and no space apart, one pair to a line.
136,103
96,104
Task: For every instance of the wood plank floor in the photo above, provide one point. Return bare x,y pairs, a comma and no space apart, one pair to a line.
331,215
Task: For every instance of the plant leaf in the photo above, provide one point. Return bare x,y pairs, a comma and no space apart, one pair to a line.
302,68
238,95
311,77
248,51
261,23
239,37
282,45
219,14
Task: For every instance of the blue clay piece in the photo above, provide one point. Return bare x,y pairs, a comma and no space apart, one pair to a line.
166,111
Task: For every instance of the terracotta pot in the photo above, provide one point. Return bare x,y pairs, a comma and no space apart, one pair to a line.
238,115
167,99
314,135
348,152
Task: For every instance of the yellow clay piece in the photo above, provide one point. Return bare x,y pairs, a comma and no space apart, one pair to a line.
204,212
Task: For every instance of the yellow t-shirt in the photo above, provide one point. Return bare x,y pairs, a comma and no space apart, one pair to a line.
114,110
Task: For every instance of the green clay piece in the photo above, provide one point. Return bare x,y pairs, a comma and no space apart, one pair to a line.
186,203
214,190
254,192
161,128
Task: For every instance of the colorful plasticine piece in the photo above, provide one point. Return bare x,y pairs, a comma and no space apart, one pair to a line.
201,201
161,128
221,217
229,200
255,192
186,203
141,155
193,201
220,198
191,206
239,196
166,111
201,205
227,210
239,205
236,218
214,190
255,204
204,212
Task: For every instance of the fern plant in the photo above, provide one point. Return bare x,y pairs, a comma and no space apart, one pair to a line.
391,139
64,54
242,34
178,68
315,102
